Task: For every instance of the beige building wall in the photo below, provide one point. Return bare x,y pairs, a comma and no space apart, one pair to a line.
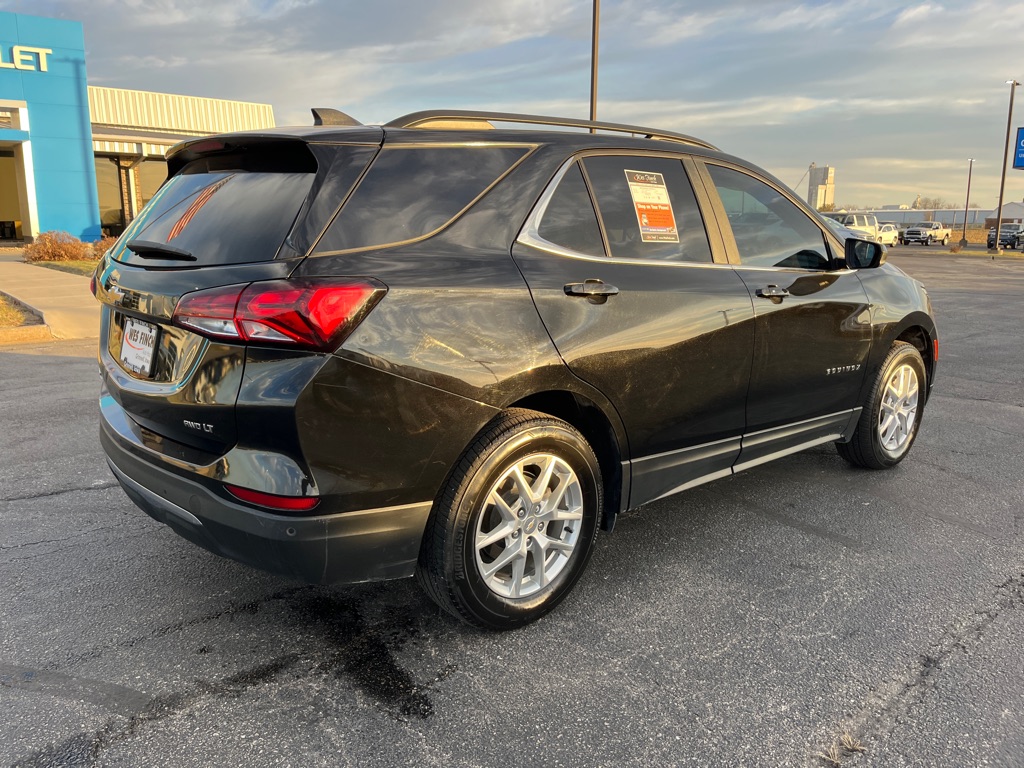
10,203
171,113
132,131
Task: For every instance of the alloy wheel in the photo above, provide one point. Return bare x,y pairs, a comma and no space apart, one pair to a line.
898,410
529,525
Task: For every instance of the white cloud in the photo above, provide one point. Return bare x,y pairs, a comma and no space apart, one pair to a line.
891,94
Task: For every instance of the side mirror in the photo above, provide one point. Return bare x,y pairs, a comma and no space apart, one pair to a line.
864,254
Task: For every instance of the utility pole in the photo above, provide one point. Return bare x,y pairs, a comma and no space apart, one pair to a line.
1002,182
593,63
970,168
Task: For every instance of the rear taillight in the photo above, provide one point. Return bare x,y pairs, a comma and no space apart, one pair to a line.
272,500
309,313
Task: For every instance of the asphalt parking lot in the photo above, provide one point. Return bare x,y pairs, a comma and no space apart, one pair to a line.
752,621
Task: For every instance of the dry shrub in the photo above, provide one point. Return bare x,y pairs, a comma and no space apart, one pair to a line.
103,245
57,246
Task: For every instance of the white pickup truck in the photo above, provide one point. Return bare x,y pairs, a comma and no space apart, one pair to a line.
926,233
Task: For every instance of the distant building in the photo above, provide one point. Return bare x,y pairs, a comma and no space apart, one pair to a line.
821,186
951,216
1013,213
81,158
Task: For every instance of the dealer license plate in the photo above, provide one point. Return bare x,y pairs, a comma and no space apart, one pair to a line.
138,346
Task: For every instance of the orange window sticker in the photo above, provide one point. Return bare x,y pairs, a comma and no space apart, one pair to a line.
653,207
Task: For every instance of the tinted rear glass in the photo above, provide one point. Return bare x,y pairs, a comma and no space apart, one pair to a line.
226,209
410,192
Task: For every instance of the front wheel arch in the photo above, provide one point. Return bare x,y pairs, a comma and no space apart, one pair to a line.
891,413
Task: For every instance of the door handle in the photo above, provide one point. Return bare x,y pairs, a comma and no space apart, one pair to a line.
773,292
591,288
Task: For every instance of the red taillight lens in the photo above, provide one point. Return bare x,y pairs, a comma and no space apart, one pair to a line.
272,500
310,313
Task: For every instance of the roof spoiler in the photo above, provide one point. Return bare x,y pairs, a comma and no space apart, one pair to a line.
328,116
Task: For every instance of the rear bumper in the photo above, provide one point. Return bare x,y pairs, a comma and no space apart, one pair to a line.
365,545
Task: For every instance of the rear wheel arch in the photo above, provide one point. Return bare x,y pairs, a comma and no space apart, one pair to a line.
603,436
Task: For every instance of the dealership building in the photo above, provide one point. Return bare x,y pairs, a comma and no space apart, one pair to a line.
85,159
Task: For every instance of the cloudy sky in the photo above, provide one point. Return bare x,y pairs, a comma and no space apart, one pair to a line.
895,95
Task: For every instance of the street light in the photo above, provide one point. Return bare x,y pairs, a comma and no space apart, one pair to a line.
1002,182
963,240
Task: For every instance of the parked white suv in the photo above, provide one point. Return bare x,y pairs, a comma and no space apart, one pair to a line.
888,234
860,222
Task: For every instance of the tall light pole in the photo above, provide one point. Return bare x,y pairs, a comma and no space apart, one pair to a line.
963,240
593,62
1002,182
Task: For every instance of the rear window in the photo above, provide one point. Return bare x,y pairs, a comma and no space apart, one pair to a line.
227,208
411,192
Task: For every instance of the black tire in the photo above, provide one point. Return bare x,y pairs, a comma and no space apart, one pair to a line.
945,240
866,448
928,241
450,567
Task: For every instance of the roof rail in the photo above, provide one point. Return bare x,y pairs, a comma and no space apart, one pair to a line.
425,118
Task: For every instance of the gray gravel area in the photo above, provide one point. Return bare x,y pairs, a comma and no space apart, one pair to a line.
753,621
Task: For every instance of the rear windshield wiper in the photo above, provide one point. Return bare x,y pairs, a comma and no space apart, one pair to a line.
148,249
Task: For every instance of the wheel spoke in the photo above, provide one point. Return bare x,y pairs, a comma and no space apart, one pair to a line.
886,428
567,514
544,478
539,557
518,572
552,502
507,513
506,557
891,393
558,545
522,485
502,531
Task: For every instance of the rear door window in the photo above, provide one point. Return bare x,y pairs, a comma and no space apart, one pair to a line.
648,208
226,208
569,219
411,192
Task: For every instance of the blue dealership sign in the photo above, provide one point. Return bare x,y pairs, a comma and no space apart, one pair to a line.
47,128
1018,153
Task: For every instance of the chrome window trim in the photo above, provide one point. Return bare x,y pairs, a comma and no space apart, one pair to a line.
529,235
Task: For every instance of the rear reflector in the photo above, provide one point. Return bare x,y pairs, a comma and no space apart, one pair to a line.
935,350
273,501
309,313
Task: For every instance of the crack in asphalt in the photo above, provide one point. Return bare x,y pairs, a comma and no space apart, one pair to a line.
360,654
61,540
116,698
84,749
48,494
891,705
251,607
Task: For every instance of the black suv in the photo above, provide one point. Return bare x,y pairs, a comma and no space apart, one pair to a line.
1010,235
433,347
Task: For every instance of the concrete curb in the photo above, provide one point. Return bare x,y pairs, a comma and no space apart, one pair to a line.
25,334
33,330
61,299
